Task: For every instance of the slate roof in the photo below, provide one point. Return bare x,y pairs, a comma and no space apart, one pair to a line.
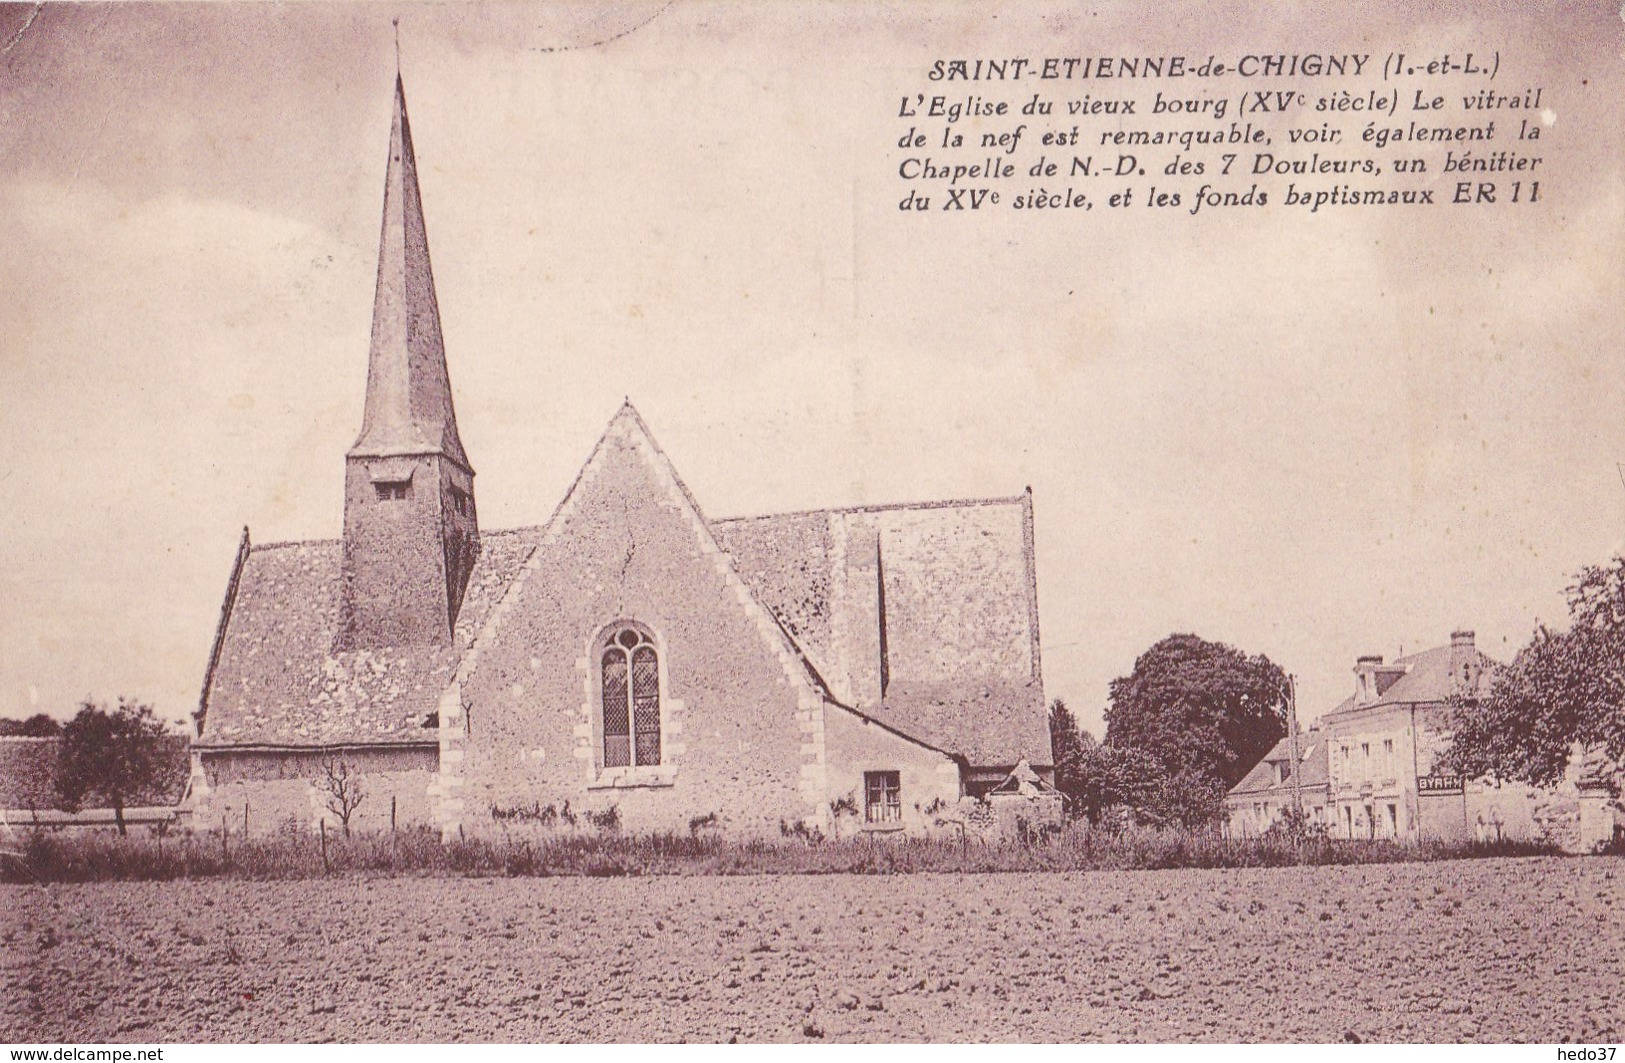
279,682
1314,767
1428,679
988,722
409,404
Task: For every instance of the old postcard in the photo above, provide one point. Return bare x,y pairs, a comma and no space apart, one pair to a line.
565,472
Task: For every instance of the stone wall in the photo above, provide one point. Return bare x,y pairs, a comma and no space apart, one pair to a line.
1598,818
929,780
284,791
739,717
406,560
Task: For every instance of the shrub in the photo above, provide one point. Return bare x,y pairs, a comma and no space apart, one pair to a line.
608,821
51,856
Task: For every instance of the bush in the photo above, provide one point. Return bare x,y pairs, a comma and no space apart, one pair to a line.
1296,826
48,856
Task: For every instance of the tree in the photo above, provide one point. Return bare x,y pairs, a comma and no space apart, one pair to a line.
341,789
114,758
1562,689
1066,743
1204,713
38,725
1096,778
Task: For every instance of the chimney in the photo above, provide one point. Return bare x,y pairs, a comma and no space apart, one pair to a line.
1465,667
1365,671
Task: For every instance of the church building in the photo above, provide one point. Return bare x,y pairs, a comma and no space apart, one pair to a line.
630,662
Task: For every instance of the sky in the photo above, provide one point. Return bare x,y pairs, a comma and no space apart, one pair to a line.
1311,436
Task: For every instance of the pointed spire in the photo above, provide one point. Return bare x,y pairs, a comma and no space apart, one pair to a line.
409,408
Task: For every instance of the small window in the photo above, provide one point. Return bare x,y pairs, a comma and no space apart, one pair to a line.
460,501
1286,769
393,490
882,797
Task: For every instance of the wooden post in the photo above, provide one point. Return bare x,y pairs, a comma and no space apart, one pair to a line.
245,818
1292,734
225,851
392,813
327,868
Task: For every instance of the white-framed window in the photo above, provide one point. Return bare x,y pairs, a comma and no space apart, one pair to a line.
629,697
882,797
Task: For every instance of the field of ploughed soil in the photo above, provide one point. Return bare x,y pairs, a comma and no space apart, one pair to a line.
1492,950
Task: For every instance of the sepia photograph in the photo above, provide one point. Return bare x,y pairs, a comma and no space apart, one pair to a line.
648,521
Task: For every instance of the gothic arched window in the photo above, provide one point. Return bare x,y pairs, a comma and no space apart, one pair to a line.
630,698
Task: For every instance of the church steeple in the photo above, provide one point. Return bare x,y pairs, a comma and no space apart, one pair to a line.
409,407
410,531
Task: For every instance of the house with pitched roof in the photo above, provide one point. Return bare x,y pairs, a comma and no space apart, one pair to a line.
1383,741
1291,775
1383,747
630,660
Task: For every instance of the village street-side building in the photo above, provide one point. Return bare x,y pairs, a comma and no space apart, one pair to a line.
630,661
1275,785
1384,740
1384,780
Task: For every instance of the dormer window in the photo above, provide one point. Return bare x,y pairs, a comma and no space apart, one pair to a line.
393,490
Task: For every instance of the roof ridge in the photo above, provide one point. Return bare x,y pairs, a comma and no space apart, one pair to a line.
949,503
485,533
288,544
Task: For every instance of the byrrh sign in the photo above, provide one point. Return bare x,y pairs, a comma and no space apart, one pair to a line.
1438,784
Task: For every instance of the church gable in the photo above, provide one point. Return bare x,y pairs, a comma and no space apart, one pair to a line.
632,667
